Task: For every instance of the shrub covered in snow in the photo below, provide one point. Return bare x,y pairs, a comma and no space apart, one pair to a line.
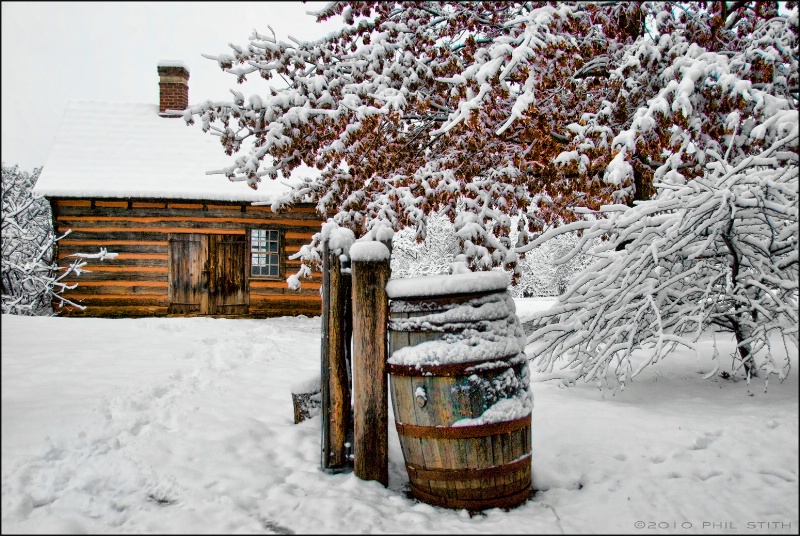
30,279
27,245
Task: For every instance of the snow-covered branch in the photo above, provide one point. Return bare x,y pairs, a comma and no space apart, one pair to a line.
31,282
718,252
507,110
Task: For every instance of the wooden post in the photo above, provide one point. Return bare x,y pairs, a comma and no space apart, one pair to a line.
325,439
335,383
347,292
370,273
339,387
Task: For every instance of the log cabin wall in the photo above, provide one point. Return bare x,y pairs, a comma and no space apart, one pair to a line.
137,282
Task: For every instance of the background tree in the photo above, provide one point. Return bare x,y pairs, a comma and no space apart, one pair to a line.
30,279
720,251
545,270
545,114
502,108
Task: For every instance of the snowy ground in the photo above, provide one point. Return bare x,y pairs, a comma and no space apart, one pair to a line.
185,426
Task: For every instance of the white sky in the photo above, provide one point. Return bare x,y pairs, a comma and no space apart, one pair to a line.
54,52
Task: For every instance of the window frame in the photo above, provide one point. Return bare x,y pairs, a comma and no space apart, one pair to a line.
279,253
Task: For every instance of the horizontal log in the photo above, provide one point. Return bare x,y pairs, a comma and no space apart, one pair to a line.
120,256
284,297
101,309
130,233
302,236
115,284
268,310
131,263
300,208
210,211
151,250
315,276
105,311
72,203
69,242
148,211
73,295
184,206
84,201
112,309
111,236
283,292
116,288
116,276
90,301
122,269
129,221
281,283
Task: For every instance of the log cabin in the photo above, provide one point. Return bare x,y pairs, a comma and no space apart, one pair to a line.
132,178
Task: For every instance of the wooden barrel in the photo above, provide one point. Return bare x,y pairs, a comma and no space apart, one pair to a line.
460,392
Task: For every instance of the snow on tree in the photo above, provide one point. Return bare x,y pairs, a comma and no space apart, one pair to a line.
431,256
27,245
719,251
505,108
30,279
545,270
664,128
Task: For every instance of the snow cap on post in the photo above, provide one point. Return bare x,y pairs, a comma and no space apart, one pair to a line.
369,251
339,238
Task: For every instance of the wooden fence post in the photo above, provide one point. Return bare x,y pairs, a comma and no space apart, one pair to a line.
325,440
335,388
338,380
370,273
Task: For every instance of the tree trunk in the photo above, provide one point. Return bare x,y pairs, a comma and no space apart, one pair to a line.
740,330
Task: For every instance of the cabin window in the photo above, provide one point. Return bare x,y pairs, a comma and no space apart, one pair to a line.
264,252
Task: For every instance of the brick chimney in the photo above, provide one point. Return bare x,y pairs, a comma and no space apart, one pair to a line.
173,82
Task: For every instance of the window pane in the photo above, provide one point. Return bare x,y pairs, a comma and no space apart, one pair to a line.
264,251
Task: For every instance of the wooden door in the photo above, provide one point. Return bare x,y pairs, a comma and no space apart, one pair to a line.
229,275
188,273
208,274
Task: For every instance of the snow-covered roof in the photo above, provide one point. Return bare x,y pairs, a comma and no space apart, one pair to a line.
128,150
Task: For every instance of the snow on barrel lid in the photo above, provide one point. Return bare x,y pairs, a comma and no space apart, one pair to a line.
439,285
